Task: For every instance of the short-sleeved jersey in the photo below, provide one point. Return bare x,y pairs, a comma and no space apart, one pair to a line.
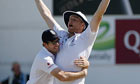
72,48
42,66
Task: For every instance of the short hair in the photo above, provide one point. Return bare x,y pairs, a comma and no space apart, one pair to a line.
49,36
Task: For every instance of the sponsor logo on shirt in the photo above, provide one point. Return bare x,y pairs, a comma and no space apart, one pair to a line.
72,43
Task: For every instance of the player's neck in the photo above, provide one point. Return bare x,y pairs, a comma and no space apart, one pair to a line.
71,34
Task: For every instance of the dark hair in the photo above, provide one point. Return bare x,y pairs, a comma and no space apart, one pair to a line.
49,36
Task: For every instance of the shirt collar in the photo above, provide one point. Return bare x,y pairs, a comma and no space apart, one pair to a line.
49,53
77,34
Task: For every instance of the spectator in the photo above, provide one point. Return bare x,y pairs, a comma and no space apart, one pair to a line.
18,76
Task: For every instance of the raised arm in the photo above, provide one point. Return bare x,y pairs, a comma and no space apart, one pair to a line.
95,22
46,13
68,76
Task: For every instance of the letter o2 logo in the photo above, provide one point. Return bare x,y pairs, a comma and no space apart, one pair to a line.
136,45
127,41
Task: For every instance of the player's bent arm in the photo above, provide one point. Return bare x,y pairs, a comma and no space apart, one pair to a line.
95,22
68,76
45,13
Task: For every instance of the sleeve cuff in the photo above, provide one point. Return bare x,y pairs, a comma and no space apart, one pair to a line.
52,68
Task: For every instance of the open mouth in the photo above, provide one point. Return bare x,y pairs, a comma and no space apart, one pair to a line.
70,26
56,47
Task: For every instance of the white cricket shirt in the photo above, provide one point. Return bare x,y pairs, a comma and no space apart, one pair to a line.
72,48
41,68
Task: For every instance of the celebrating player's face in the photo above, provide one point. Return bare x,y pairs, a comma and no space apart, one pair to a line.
75,24
53,47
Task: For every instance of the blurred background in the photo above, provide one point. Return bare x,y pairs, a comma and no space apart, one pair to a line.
115,58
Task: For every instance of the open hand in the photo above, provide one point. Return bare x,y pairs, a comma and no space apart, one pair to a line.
82,62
